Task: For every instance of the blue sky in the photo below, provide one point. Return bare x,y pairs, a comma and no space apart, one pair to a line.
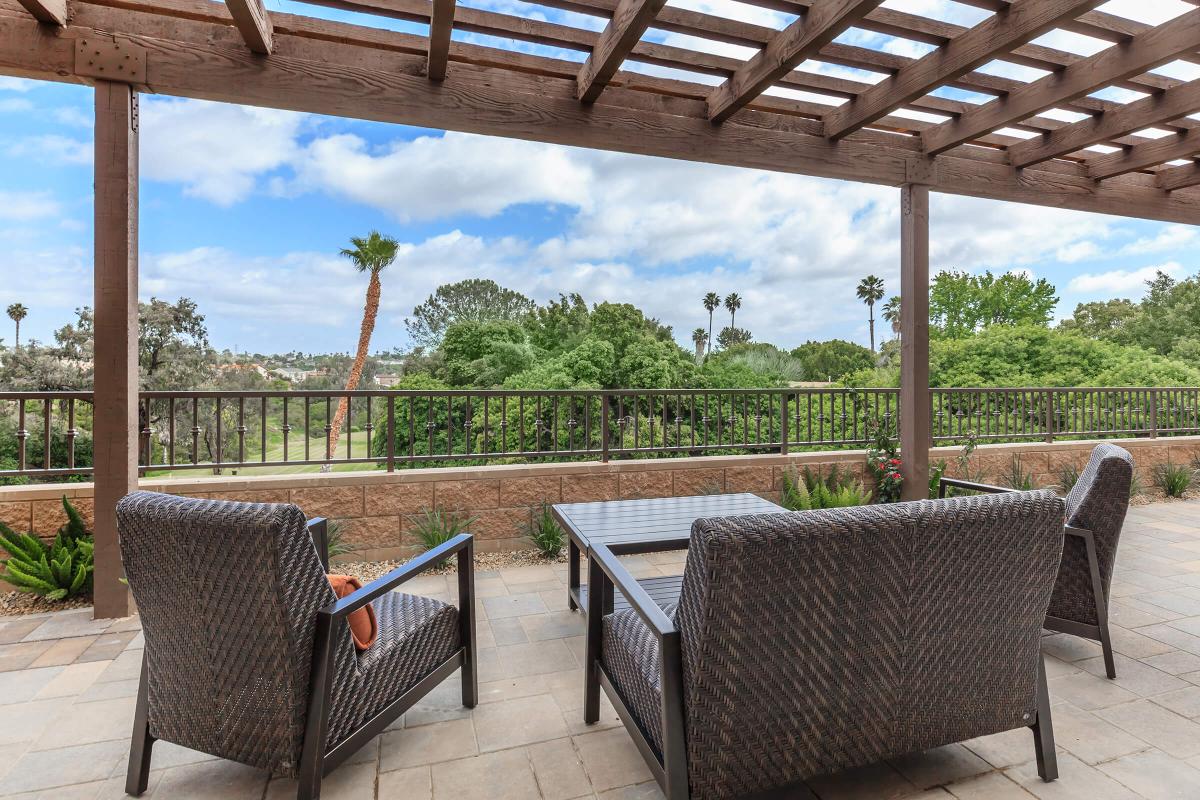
244,210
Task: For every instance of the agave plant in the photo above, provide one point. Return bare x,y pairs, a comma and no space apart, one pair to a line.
57,571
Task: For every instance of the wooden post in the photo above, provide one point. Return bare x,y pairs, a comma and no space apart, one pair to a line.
915,430
115,422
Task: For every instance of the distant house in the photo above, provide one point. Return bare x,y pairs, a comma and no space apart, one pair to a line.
388,381
259,368
289,374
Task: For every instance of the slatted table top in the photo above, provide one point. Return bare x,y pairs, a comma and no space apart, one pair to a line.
657,521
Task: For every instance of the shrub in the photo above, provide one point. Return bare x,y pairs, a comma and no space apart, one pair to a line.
794,495
1068,476
1017,477
336,535
1136,487
883,462
58,571
936,471
545,532
438,527
1174,480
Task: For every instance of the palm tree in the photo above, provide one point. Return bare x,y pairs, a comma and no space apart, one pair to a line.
17,312
732,303
870,289
699,338
372,254
712,301
891,313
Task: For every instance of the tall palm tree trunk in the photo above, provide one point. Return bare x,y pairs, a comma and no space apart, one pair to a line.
871,322
18,338
370,311
710,313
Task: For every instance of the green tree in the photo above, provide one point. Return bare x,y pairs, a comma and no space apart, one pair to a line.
485,353
1103,320
473,300
891,314
832,360
733,302
712,301
17,312
699,339
1169,315
961,303
560,324
870,291
731,336
372,254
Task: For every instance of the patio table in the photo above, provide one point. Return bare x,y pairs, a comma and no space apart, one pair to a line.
643,526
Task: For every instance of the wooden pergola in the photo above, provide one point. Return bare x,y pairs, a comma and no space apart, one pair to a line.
1007,148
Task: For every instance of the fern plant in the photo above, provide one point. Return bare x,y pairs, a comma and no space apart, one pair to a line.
794,494
936,470
545,532
57,571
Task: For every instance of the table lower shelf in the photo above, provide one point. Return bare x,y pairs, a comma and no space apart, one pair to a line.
663,590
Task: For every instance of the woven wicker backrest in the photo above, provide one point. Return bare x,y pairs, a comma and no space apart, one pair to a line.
228,595
1098,502
821,640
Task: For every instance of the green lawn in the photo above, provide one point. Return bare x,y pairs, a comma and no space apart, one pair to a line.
275,453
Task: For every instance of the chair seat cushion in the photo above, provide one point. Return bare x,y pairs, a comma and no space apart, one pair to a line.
416,634
630,656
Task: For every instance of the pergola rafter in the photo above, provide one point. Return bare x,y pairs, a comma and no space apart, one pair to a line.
1018,23
1143,52
238,52
52,12
785,51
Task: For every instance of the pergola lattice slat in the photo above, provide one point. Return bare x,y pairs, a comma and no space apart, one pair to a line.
1143,52
1152,110
1020,22
441,24
784,52
52,12
250,17
1143,156
628,23
1180,177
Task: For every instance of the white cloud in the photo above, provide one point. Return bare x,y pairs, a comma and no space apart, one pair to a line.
1083,250
25,206
1120,281
53,149
12,105
1170,237
217,151
8,84
439,176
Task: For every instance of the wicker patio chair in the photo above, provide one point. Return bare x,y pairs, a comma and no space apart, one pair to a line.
807,643
248,652
1096,508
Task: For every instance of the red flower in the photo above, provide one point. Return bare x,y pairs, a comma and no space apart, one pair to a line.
896,475
896,461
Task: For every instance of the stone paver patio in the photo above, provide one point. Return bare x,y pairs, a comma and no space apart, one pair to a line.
67,687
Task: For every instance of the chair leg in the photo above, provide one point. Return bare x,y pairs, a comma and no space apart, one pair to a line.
1101,602
141,743
466,621
1043,730
595,630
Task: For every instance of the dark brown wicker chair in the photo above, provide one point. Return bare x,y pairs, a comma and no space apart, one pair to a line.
248,653
808,643
1096,508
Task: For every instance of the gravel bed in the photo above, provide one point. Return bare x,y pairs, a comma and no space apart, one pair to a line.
16,604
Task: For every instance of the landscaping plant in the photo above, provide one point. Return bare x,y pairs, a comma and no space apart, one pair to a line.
883,462
57,571
545,532
1068,476
1017,477
336,536
936,470
794,494
1173,479
438,527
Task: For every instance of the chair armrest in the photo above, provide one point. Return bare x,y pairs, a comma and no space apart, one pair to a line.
655,618
461,544
1082,533
637,548
978,487
318,528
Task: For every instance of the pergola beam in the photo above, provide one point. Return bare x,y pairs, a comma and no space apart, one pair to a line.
1135,116
333,68
785,51
623,31
52,12
1144,156
1143,52
1180,177
441,24
250,17
1016,24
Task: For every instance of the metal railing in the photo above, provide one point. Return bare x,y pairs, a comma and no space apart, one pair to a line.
47,434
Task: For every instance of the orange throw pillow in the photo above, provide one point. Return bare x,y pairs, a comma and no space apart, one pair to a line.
363,627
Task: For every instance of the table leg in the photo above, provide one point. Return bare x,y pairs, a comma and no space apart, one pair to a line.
572,573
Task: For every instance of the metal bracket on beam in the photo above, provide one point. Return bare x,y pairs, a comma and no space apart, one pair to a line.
920,170
110,60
